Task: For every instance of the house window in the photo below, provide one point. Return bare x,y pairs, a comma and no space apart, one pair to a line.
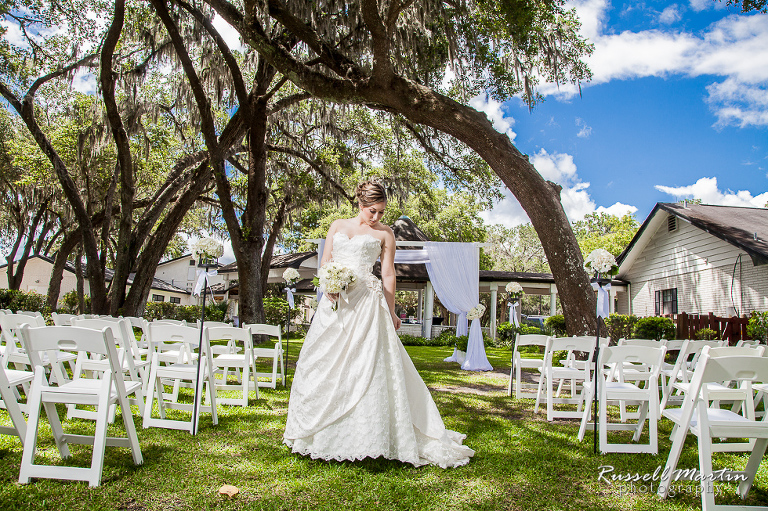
191,262
666,301
158,298
175,299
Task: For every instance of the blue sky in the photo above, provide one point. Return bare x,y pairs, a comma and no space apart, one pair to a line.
677,108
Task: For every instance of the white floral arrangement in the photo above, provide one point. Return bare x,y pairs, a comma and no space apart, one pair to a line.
291,276
313,304
476,312
207,248
515,290
601,261
334,278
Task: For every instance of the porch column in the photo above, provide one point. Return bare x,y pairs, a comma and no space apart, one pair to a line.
419,306
429,304
552,299
612,296
494,297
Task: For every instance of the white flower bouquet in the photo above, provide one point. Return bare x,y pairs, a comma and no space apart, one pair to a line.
601,261
515,290
207,249
291,276
334,278
476,312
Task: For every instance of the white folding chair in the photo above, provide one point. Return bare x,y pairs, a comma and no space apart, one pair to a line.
242,361
14,352
178,340
136,369
102,393
61,319
612,387
275,353
576,372
696,416
10,379
682,370
519,363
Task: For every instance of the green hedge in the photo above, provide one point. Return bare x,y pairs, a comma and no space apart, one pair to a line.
16,300
621,326
556,324
757,328
188,313
655,327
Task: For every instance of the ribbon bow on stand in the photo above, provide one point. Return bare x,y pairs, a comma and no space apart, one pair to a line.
603,299
202,279
513,312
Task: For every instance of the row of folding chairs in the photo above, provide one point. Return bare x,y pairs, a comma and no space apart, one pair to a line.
718,389
170,360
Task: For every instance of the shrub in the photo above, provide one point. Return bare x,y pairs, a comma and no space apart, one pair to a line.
276,309
707,334
556,324
17,300
71,305
412,340
188,313
757,328
620,326
655,328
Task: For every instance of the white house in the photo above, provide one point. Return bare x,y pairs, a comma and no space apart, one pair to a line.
37,274
697,258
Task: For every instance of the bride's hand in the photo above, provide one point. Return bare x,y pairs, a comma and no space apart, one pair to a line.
396,322
332,297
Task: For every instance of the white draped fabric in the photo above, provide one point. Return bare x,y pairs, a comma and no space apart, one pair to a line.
603,299
453,270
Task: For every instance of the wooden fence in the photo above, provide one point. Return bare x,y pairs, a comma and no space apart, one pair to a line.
734,329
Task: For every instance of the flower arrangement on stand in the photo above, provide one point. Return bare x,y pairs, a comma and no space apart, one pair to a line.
514,294
602,265
207,250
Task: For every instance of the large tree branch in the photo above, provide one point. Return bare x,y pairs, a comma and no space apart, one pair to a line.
382,66
229,59
314,166
287,101
59,72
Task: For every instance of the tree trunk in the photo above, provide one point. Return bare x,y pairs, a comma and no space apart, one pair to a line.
68,244
250,283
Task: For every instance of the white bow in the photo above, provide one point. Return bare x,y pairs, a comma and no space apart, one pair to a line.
202,276
603,299
290,292
513,313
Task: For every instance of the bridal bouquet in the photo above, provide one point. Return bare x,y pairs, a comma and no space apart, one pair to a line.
601,261
334,278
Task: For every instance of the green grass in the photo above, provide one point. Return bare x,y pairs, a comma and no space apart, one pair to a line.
521,461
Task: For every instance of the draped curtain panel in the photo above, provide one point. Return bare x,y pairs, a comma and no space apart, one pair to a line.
453,269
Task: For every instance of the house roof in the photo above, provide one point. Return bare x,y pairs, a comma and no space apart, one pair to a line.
745,228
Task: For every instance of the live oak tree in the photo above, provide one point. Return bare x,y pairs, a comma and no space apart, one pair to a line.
392,56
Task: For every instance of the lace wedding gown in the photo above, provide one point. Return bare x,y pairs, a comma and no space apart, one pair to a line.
356,393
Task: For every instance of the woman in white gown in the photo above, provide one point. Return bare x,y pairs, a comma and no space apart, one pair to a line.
356,393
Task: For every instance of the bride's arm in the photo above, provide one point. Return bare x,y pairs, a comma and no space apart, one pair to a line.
328,252
388,276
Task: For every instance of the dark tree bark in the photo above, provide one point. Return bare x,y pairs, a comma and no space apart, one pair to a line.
68,244
383,89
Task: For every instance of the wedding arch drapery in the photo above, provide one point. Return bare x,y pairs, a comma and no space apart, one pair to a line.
453,269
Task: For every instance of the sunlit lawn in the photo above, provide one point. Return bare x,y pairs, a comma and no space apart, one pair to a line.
521,461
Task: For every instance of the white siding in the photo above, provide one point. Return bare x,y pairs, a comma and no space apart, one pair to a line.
37,275
701,267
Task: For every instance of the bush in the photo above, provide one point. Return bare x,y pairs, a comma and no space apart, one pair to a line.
706,334
556,324
654,328
71,305
276,309
757,328
412,340
188,313
620,326
17,300
506,333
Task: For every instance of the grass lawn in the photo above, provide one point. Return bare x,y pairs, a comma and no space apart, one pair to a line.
521,461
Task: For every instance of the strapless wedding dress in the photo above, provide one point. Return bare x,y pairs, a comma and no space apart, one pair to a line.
356,393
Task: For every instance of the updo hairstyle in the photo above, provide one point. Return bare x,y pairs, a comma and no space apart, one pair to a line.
369,192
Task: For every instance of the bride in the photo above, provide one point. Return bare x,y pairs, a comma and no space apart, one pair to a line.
356,393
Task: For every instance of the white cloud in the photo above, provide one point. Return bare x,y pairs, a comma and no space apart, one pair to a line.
670,14
84,81
561,169
707,190
228,33
584,130
703,5
735,48
492,109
